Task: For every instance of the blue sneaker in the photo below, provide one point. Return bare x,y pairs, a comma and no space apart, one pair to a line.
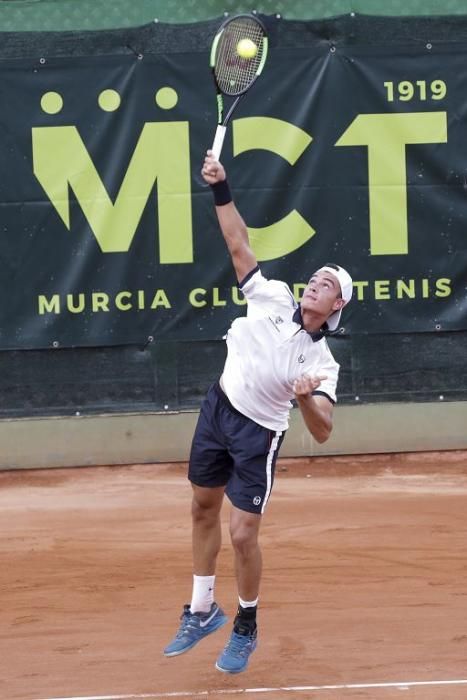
235,657
194,627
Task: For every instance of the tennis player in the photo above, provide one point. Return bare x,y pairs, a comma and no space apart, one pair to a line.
276,353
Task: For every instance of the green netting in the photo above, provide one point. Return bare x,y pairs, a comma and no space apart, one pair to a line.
58,15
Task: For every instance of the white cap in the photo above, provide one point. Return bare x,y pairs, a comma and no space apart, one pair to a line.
346,286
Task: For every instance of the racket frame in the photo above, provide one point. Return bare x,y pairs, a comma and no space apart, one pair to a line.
221,120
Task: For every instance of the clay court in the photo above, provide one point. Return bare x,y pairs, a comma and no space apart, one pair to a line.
364,592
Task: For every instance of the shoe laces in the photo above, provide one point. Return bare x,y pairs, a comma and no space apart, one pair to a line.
187,622
239,644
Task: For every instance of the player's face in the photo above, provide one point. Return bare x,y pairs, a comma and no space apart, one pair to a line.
322,294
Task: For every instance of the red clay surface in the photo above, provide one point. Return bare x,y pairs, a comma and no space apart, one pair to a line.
365,582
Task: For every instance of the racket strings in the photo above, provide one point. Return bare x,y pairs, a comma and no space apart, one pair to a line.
234,74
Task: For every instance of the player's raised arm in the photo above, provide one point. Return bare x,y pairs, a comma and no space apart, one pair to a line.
231,223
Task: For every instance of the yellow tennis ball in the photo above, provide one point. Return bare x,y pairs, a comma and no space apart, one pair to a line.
246,48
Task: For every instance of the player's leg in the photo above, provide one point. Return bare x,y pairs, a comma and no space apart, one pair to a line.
248,489
209,470
244,531
206,544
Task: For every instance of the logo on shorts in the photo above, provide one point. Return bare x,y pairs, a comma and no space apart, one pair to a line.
301,358
256,501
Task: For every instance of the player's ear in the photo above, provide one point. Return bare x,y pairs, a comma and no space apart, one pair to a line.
338,304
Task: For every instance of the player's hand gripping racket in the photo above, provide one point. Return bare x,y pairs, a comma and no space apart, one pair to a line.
238,55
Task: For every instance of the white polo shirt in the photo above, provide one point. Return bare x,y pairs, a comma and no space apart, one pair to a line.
267,350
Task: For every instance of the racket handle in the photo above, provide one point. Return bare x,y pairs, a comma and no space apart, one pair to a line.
218,141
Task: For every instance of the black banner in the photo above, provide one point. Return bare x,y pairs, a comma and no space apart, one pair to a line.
340,153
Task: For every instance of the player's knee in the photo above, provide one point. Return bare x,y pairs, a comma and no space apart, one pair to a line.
244,538
205,509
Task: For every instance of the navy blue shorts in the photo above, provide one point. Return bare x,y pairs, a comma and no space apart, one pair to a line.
231,450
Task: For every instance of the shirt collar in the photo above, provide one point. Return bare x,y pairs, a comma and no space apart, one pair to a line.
314,335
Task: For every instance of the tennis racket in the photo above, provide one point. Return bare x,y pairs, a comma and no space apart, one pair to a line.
238,55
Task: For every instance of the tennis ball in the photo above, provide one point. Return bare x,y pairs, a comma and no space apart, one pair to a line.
246,48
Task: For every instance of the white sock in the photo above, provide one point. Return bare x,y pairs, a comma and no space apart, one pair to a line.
203,593
248,603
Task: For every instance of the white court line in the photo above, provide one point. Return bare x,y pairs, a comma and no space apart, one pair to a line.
402,685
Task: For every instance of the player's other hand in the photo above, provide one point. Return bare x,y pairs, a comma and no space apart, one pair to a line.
212,171
304,385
